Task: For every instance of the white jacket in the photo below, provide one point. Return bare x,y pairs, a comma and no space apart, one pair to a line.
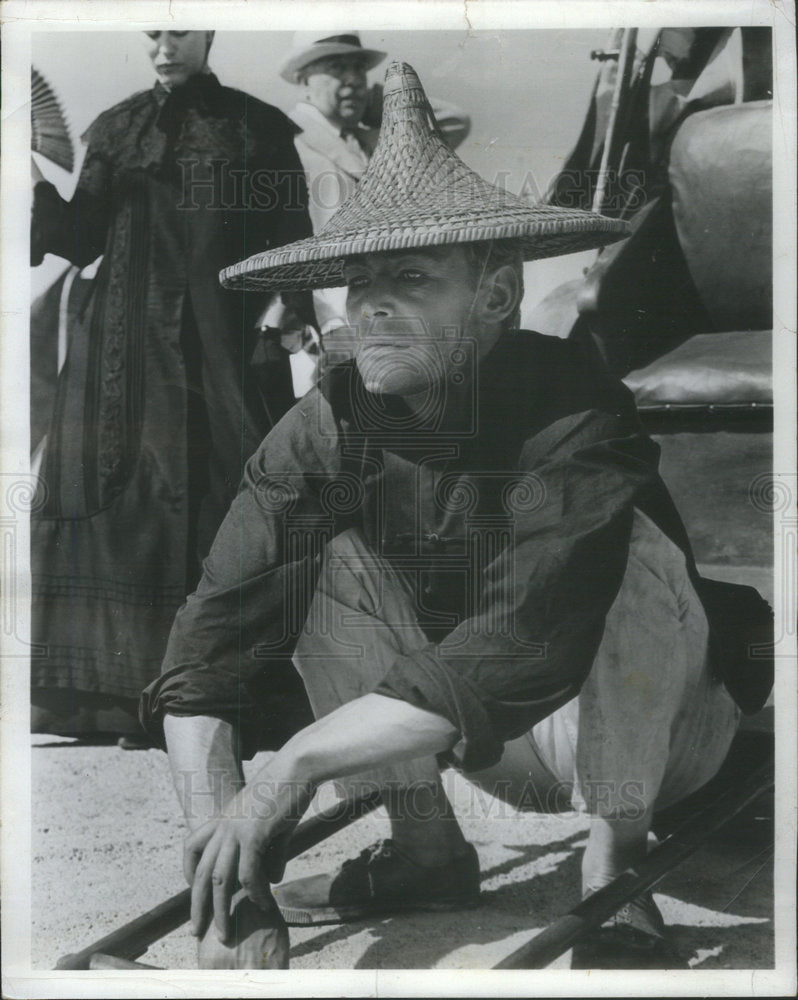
332,167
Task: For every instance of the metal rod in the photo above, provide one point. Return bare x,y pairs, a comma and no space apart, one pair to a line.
135,937
564,932
623,72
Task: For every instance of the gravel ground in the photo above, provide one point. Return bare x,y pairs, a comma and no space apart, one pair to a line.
107,847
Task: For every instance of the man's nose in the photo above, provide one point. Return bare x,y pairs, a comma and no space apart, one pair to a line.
380,310
351,78
377,303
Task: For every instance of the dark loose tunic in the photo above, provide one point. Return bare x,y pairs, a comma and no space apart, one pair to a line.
157,408
511,529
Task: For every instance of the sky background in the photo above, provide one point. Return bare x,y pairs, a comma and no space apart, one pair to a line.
527,92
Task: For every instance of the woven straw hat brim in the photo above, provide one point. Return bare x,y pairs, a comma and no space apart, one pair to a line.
318,262
297,61
417,192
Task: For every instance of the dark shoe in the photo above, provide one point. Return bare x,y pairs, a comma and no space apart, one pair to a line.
634,938
638,924
381,880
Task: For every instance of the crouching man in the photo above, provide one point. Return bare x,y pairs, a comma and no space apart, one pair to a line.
462,539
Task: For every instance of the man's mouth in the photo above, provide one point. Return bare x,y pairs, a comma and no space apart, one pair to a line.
401,331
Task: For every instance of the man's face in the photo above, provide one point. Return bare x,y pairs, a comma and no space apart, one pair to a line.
177,55
336,86
413,309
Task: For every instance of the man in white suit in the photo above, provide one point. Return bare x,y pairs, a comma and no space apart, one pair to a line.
334,146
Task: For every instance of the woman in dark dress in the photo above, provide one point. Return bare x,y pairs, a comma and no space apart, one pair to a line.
157,406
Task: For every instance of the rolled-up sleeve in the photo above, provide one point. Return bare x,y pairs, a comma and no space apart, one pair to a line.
544,598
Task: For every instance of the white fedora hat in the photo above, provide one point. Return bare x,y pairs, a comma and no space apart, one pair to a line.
308,46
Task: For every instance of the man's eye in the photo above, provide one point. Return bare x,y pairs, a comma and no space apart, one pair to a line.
412,275
357,281
154,35
178,34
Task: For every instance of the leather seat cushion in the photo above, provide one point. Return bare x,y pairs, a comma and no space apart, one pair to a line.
721,176
712,369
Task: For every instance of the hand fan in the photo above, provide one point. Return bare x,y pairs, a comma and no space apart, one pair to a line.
49,129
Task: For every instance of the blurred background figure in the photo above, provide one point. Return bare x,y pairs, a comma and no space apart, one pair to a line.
157,405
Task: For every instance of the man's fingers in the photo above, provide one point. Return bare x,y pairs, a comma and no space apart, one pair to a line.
201,887
253,875
223,881
193,847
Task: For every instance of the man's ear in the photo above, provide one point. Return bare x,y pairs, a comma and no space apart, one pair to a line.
502,294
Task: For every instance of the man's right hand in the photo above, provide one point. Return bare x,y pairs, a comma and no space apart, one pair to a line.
219,857
243,848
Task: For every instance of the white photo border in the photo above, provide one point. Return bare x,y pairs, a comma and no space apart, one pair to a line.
20,21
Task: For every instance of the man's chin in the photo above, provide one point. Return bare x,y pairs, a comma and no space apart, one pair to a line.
391,372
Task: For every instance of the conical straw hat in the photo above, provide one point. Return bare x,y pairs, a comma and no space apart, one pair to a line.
416,192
